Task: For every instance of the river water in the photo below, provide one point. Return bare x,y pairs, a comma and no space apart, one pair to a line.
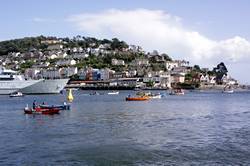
199,128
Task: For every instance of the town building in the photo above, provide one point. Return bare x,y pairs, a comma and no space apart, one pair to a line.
117,62
55,47
66,62
140,62
67,72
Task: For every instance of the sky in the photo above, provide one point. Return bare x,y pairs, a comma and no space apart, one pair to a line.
204,32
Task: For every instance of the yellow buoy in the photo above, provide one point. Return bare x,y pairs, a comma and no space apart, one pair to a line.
70,96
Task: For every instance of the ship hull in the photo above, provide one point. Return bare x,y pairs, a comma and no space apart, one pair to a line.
46,87
8,87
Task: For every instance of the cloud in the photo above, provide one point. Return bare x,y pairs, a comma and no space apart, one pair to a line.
156,29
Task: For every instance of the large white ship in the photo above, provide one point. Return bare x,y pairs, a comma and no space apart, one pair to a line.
11,82
50,86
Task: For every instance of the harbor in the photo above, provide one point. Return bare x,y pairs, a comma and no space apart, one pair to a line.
107,130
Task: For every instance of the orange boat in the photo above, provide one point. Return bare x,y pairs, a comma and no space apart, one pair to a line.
139,98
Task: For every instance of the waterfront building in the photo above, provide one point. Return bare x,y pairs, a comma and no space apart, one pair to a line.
106,74
205,78
127,82
177,78
117,75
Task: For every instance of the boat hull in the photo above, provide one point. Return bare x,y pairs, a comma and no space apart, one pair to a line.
228,91
9,87
137,98
113,93
156,97
46,87
43,111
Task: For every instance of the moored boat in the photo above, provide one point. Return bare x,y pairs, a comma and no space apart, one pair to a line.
177,92
113,93
155,96
16,94
228,89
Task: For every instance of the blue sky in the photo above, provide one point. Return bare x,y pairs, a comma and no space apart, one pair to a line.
219,28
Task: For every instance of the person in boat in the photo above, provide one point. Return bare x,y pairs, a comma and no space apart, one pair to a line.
34,104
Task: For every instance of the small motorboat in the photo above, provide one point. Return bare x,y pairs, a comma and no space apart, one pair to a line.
38,110
113,93
16,94
177,92
137,98
142,93
228,89
60,107
155,96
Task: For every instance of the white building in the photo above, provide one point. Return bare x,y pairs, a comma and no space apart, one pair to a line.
226,79
117,62
132,73
140,62
163,79
171,64
105,74
80,55
177,78
61,54
53,56
205,79
176,64
66,62
212,80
